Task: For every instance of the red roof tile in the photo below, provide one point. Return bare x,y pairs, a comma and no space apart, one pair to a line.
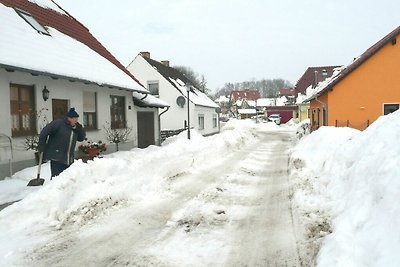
308,78
287,92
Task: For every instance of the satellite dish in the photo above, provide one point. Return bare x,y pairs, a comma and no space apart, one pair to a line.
180,100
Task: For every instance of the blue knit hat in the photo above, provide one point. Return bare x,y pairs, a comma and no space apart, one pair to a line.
72,113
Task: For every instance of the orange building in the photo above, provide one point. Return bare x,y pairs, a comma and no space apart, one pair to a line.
366,89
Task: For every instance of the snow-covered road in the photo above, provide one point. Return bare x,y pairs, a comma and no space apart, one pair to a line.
266,236
235,212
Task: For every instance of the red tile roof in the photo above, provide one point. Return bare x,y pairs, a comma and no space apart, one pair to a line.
308,78
287,92
247,94
68,25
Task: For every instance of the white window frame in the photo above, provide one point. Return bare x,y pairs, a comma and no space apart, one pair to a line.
90,110
201,121
31,21
387,104
149,83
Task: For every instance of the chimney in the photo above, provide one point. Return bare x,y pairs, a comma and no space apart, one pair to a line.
165,62
315,79
145,54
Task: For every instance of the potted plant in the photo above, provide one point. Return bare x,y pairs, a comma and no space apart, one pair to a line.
92,149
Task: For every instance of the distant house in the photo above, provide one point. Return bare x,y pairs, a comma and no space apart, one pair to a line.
310,79
290,95
223,102
312,76
243,100
364,90
170,85
50,62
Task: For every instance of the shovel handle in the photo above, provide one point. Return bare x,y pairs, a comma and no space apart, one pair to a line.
40,165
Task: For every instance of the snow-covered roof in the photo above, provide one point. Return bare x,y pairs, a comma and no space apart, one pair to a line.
148,100
181,82
48,4
251,103
222,99
264,102
22,48
195,95
312,92
247,111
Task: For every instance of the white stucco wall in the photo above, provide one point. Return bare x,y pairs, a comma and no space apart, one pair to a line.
73,92
175,117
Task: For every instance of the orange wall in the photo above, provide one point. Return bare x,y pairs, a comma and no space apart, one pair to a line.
360,96
314,107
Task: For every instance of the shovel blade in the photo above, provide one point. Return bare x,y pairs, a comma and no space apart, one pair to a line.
36,182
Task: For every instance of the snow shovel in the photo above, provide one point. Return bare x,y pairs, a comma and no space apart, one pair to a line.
37,181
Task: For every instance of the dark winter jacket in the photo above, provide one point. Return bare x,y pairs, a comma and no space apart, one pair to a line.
57,140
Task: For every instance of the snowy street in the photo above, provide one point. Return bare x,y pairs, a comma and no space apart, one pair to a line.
232,212
266,237
262,235
250,196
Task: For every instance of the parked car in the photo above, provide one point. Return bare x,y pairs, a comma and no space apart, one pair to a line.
275,118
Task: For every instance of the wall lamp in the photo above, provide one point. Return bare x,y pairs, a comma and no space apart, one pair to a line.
45,93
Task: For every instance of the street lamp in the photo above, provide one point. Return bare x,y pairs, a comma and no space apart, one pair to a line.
256,111
188,90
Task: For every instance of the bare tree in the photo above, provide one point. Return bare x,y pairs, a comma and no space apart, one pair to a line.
198,82
267,87
117,136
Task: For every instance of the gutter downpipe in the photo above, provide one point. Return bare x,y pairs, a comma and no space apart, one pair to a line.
325,106
159,125
145,95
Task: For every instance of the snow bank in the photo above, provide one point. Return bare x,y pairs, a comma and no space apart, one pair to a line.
86,191
350,178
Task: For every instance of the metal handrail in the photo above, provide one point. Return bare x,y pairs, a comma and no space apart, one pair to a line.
11,152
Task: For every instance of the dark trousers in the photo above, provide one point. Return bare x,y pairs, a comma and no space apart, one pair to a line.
57,168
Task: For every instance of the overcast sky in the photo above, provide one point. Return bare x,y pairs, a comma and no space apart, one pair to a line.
239,40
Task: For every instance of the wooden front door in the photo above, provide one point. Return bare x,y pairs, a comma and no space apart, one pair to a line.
60,108
145,129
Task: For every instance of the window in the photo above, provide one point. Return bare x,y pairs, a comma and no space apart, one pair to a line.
153,87
32,21
89,110
201,121
389,108
23,119
215,120
117,112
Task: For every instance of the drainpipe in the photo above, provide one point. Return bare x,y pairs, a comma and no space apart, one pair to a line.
145,95
324,105
159,125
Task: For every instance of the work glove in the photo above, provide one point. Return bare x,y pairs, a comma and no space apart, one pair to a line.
76,126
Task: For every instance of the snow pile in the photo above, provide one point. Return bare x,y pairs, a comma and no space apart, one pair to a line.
347,183
87,191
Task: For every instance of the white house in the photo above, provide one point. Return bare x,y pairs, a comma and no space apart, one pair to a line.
50,62
170,85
